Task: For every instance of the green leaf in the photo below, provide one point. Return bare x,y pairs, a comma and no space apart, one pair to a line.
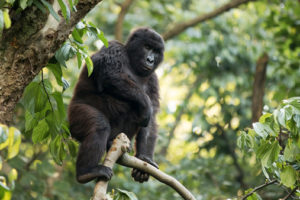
268,153
61,152
263,130
23,4
14,137
51,10
1,21
291,151
40,6
89,64
7,21
254,196
264,117
57,72
288,176
77,36
126,195
103,39
30,121
65,9
65,53
40,132
79,60
66,84
60,105
54,145
3,136
13,175
245,141
297,120
72,148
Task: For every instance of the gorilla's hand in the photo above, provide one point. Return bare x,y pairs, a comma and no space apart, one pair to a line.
145,112
141,176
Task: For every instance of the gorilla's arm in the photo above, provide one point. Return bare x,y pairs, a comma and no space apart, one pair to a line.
111,67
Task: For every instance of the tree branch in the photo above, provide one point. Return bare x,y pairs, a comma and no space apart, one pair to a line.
26,48
180,27
119,147
119,25
258,188
289,194
259,87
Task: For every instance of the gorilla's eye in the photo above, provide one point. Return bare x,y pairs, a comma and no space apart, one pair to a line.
147,47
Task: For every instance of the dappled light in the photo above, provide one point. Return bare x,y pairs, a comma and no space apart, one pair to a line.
229,94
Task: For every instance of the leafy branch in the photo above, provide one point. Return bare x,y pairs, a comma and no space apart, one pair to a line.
259,188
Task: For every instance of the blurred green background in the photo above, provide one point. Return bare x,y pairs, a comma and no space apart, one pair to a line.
206,83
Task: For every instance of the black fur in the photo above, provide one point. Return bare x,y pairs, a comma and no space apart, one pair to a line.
121,95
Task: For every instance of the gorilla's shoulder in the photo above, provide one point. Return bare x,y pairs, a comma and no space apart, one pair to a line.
115,49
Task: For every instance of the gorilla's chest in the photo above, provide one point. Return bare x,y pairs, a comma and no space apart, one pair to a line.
139,81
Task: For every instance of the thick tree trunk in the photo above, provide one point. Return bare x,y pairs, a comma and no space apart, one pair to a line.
26,48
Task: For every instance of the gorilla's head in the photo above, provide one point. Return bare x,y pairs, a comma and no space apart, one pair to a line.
145,49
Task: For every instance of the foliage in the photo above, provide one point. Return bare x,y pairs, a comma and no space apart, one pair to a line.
10,139
275,140
214,62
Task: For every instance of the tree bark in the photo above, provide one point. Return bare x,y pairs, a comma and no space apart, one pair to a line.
118,152
180,27
259,87
26,48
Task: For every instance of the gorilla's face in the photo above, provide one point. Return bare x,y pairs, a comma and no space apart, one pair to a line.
145,49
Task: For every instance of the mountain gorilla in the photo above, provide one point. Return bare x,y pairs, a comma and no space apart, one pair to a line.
121,95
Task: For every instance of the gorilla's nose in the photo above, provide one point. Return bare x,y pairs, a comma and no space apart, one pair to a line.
150,59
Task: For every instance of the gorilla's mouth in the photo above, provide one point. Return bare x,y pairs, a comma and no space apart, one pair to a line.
149,65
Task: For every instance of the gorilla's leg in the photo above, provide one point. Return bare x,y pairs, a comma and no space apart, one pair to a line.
145,143
93,145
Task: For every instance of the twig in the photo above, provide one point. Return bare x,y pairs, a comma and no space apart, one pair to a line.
289,194
119,147
258,188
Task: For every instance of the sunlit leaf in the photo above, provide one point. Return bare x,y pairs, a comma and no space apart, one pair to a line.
7,21
14,137
40,132
65,9
1,21
23,4
263,130
268,152
288,176
51,10
123,194
89,64
57,72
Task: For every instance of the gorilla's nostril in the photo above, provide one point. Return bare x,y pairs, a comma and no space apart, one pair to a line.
150,60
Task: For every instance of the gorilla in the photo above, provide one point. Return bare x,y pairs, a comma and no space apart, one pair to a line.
121,95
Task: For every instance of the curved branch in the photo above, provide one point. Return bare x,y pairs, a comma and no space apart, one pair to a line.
120,146
119,25
258,188
180,27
